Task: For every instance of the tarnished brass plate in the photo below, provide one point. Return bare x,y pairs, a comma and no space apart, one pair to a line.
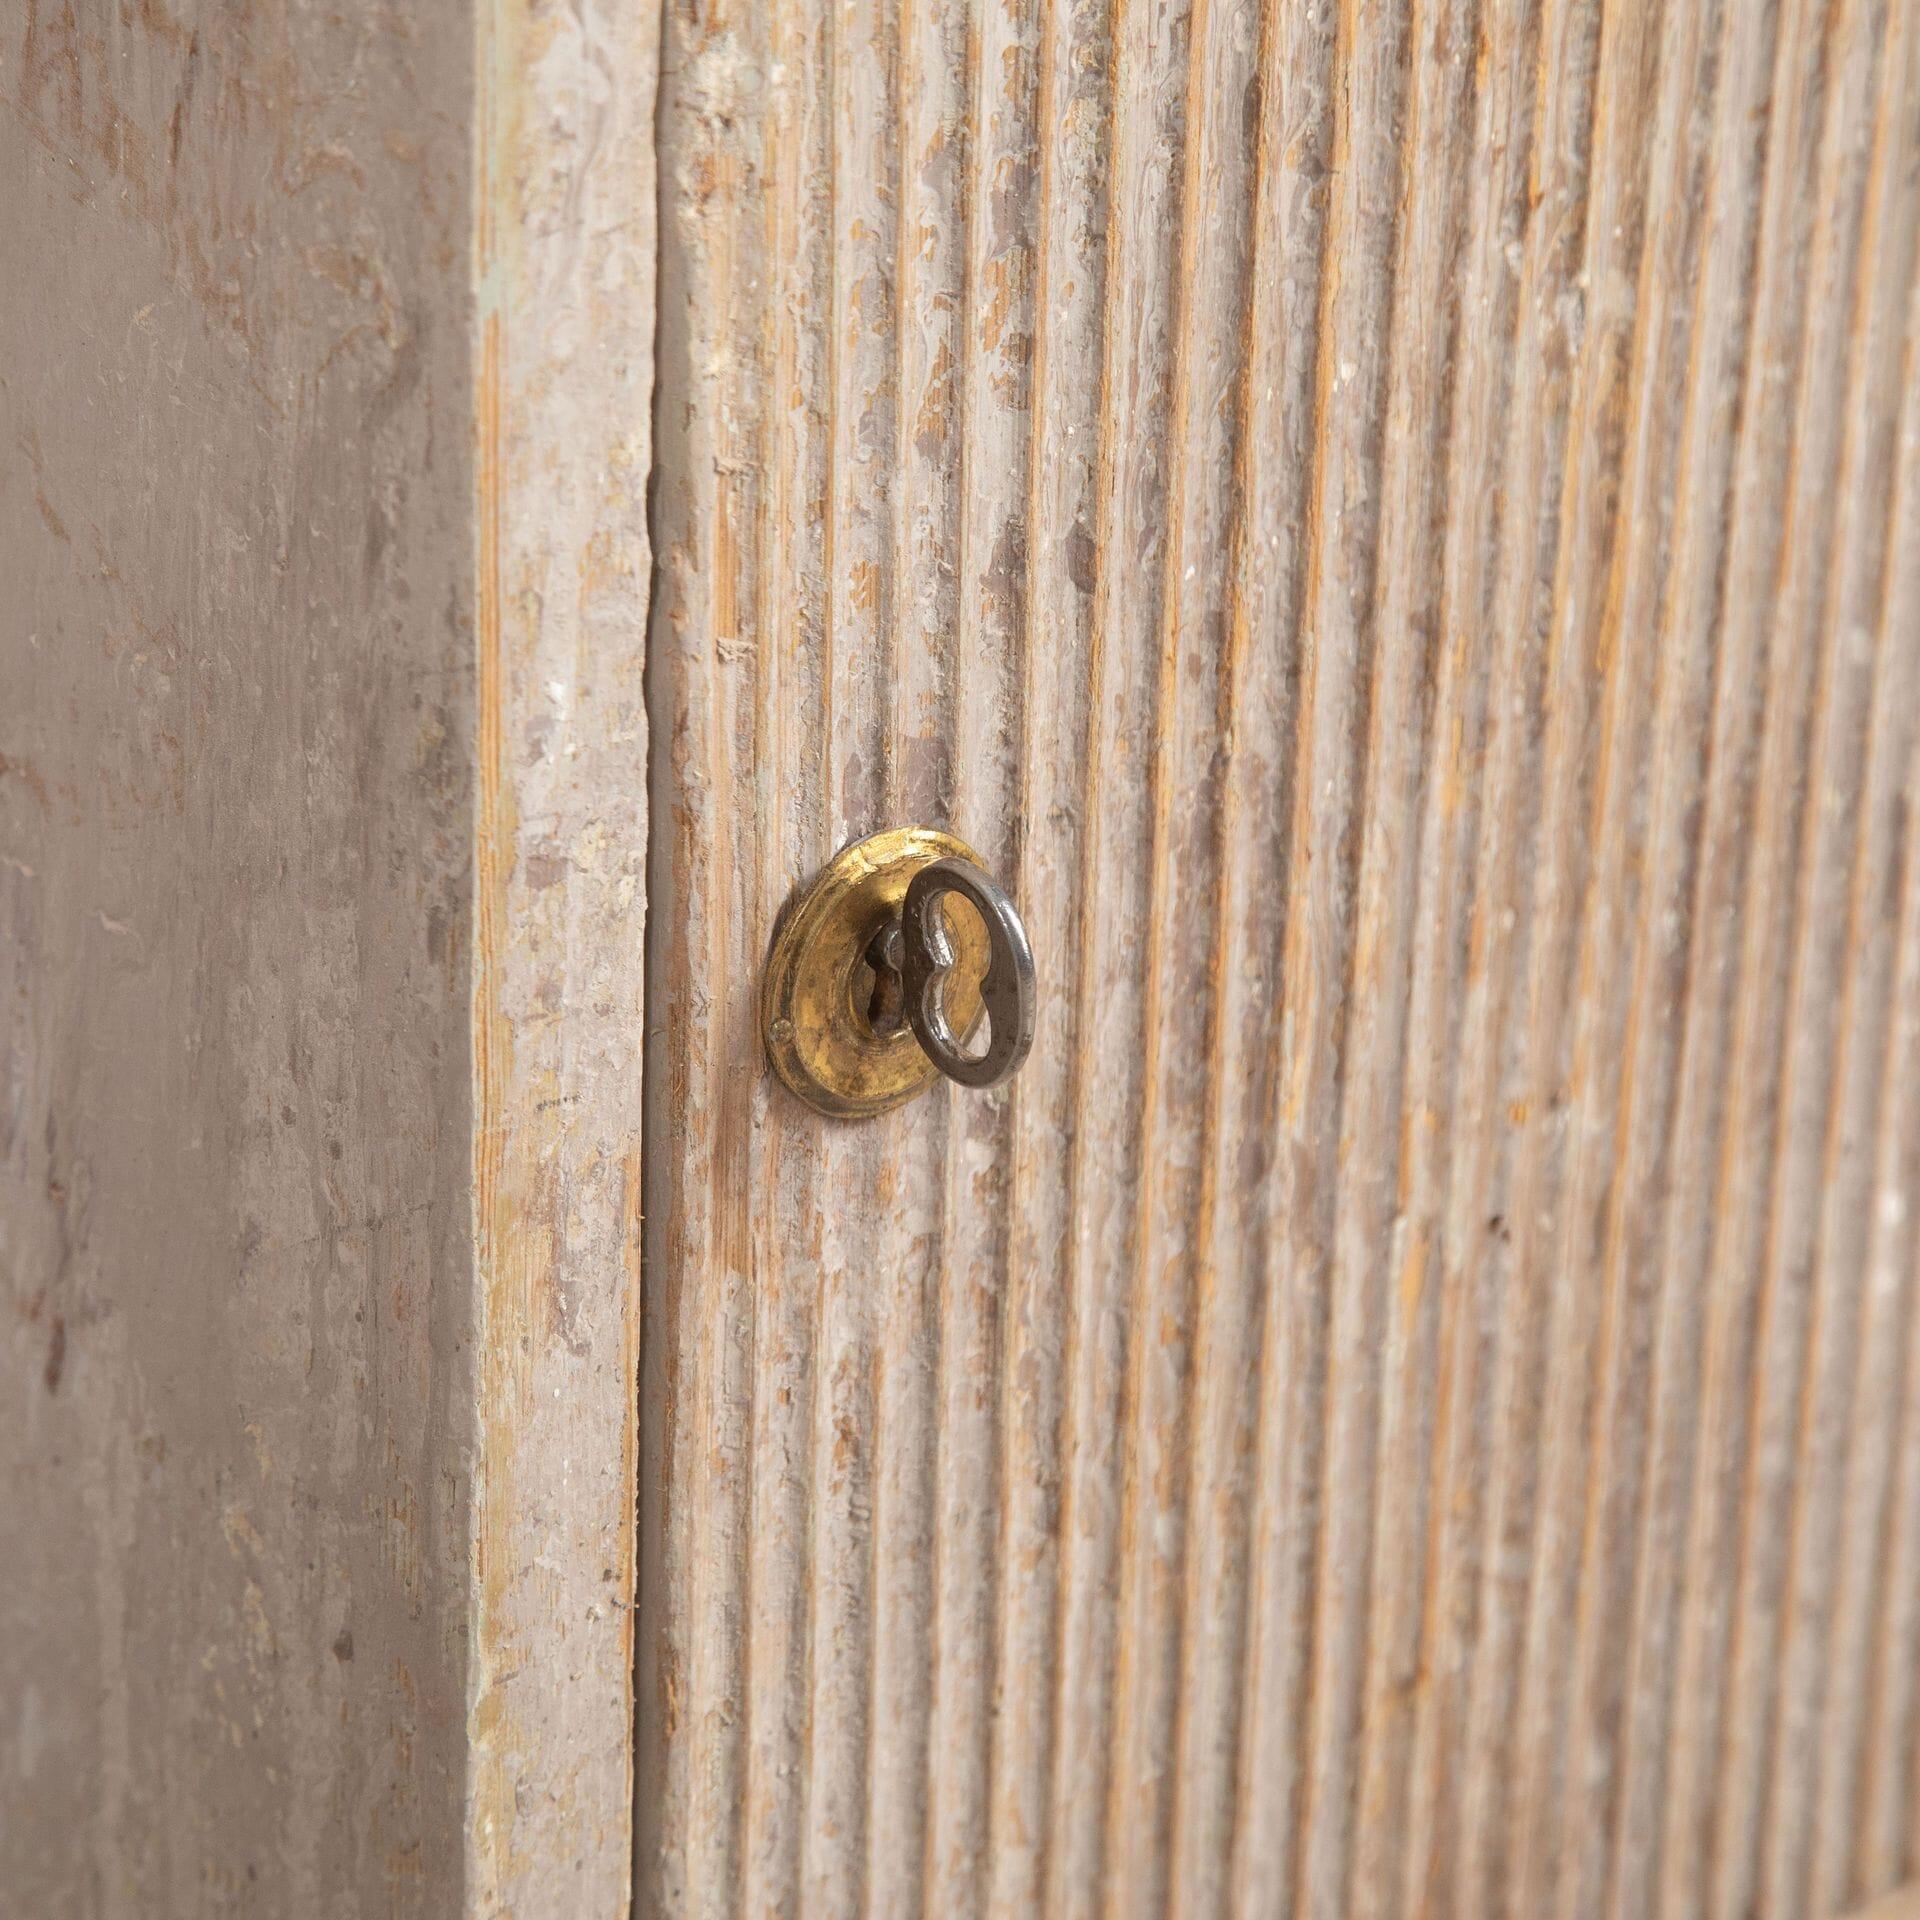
814,1004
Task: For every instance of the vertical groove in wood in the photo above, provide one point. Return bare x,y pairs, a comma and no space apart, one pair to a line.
1864,924
1515,929
1869,1211
1263,873
1810,765
1352,732
782,1215
926,199
1455,1229
1415,903
848,1611
1227,156
1660,1224
1159,556
991,156
1621,1044
1123,546
1043,1330
1717,1099
1393,527
1884,1792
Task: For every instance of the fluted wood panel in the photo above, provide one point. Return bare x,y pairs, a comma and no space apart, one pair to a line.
1396,530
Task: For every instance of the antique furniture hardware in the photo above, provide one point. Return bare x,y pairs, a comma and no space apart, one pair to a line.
877,984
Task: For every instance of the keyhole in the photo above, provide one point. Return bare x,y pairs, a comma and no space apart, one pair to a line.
885,1000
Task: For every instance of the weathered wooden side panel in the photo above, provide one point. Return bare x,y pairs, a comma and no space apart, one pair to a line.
236,733
325,357
1396,528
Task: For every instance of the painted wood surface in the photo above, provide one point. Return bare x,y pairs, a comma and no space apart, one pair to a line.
325,354
1396,530
1902,1904
564,258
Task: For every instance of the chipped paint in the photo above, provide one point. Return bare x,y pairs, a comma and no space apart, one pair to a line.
562,407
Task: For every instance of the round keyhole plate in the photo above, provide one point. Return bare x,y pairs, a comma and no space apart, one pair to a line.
819,986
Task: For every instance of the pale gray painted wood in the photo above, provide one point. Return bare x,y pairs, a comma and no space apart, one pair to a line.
325,356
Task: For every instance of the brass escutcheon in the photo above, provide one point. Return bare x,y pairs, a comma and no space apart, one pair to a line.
833,1008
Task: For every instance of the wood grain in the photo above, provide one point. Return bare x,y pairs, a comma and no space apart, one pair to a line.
1394,529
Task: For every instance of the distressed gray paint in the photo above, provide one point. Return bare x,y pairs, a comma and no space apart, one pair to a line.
237,739
309,1606
1396,530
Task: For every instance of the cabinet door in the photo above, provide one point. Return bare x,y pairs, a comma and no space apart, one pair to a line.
1394,530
